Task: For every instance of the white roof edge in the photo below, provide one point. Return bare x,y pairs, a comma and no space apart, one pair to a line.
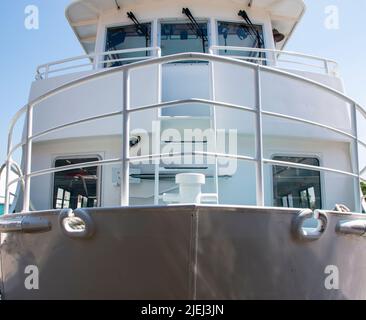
295,25
71,22
74,2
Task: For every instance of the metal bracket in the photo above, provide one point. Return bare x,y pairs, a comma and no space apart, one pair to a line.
25,224
355,227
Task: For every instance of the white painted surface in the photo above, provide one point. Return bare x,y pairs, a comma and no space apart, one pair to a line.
238,189
280,94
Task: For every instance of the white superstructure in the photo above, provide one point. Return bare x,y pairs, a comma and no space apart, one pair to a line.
163,90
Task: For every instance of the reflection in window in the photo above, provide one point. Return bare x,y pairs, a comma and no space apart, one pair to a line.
127,37
182,37
296,188
236,34
75,188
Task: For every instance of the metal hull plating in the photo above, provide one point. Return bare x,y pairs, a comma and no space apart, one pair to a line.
184,252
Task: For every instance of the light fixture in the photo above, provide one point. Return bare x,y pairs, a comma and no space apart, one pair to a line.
277,36
134,141
117,5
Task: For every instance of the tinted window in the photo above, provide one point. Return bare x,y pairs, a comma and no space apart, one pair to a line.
298,188
239,35
75,188
182,37
127,37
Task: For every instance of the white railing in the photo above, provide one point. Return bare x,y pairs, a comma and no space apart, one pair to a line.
126,111
270,57
95,61
279,58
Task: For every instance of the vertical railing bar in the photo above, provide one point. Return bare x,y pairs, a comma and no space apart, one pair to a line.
259,142
326,67
47,71
157,135
214,125
28,159
7,174
213,98
96,61
358,200
125,181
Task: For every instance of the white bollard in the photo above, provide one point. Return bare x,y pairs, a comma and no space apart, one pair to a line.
190,189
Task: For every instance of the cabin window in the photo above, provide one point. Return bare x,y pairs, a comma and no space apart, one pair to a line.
75,188
294,187
235,34
183,37
127,37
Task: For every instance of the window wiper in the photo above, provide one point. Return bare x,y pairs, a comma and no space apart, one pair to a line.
260,42
196,27
141,29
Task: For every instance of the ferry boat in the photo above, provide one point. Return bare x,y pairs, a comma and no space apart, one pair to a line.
186,155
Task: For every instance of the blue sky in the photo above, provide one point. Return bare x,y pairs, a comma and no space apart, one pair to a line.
23,50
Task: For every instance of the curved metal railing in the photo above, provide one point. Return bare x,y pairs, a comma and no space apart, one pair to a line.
126,112
274,58
94,61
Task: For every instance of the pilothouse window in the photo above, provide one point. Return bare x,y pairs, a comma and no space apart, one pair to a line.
75,188
236,34
127,37
183,37
294,187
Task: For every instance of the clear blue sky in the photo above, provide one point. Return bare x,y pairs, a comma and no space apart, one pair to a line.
22,50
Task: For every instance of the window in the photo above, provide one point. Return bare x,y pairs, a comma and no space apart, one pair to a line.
182,37
75,188
127,37
296,188
235,34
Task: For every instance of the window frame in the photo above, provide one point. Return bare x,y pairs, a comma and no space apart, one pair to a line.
78,156
255,23
206,20
125,24
318,157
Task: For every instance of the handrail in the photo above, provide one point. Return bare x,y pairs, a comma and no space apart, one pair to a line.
43,71
215,49
28,174
96,59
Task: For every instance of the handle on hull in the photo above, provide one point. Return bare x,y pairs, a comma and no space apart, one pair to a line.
25,224
356,227
76,224
309,234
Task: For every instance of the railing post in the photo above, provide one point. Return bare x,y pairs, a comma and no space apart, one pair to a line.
96,61
358,201
46,71
213,121
275,59
259,142
7,173
326,67
157,130
28,159
125,185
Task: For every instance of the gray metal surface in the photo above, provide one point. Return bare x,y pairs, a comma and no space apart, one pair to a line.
184,252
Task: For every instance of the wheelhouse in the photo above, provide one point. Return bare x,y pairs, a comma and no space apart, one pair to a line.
172,87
